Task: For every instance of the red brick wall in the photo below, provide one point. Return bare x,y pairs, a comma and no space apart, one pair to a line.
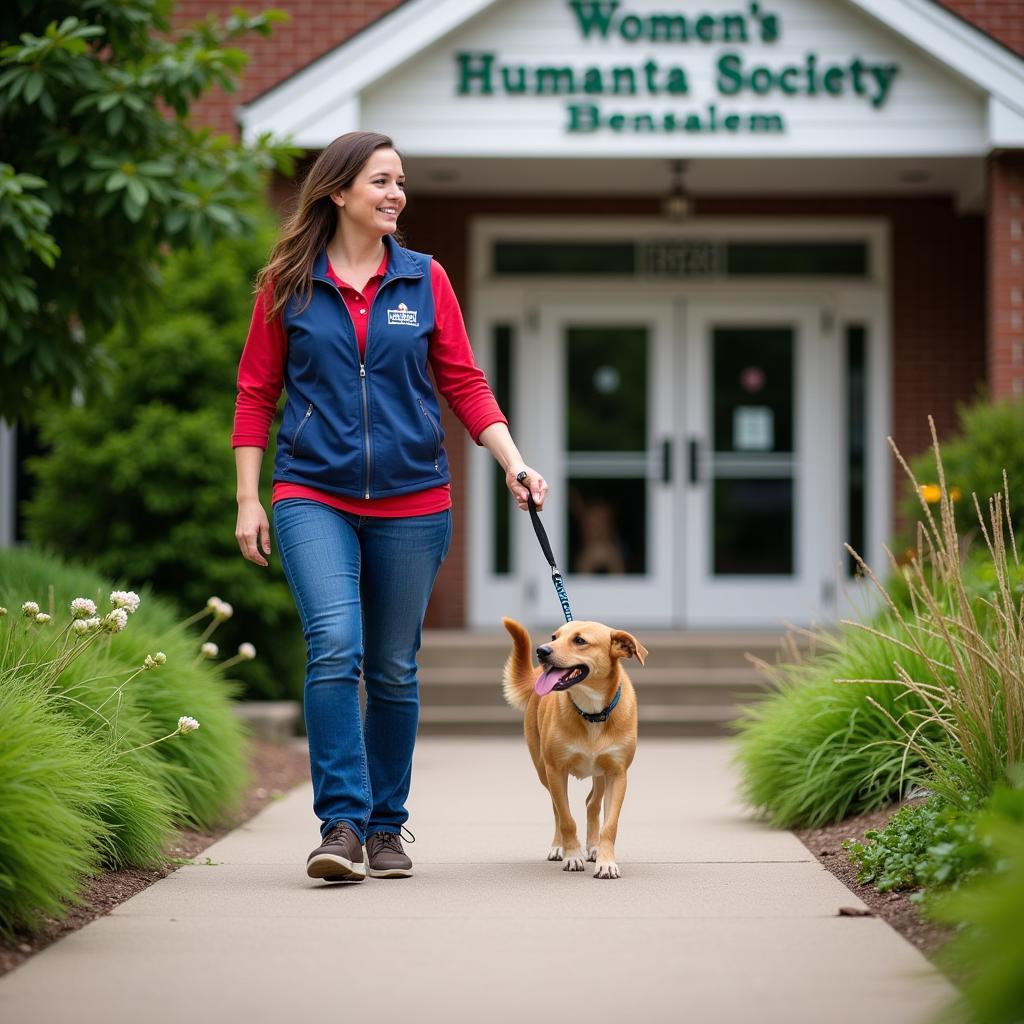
938,311
1001,19
1005,241
315,28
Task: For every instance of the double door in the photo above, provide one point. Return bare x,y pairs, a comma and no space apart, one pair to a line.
691,446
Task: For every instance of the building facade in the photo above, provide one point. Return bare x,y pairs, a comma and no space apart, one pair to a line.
711,256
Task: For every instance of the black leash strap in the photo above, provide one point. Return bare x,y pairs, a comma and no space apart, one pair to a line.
538,528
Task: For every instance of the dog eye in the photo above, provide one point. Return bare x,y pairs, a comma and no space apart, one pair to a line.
578,640
553,636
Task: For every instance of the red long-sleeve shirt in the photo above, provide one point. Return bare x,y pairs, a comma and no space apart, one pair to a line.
458,378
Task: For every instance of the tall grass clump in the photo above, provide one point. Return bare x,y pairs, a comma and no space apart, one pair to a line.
93,772
813,751
967,723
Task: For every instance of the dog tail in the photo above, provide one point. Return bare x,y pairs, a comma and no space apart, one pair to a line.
517,682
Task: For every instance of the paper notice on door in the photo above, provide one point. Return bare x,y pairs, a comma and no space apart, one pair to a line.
753,428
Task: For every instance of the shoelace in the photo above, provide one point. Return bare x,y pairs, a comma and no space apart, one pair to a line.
340,833
390,841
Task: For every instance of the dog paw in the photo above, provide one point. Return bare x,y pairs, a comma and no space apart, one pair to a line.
555,853
607,869
574,862
592,854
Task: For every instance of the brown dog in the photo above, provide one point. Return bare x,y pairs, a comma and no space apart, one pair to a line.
570,730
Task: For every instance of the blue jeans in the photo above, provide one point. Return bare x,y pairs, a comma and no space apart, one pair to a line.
361,585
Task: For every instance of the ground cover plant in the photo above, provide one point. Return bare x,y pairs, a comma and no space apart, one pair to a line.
102,695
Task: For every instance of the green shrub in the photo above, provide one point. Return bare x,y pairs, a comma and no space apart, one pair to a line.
92,769
148,468
923,845
990,440
817,751
987,953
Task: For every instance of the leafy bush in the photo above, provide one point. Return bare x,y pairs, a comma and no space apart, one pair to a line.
923,845
86,778
149,468
990,442
987,953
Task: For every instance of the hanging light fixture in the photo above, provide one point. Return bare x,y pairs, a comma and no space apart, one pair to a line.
678,205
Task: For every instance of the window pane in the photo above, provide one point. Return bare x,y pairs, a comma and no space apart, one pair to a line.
753,389
804,258
753,527
606,385
564,258
607,519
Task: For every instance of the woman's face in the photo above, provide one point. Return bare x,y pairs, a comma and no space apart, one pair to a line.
373,202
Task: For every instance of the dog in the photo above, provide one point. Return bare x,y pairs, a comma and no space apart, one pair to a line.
580,719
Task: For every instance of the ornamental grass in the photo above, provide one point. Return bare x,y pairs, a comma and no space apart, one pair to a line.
112,734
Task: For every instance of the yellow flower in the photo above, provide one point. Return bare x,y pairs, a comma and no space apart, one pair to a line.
954,493
931,493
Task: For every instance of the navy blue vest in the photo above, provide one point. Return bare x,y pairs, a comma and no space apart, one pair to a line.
370,429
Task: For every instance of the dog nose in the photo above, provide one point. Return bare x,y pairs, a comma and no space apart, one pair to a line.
544,652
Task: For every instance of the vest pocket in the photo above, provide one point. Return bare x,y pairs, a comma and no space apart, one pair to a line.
298,431
435,433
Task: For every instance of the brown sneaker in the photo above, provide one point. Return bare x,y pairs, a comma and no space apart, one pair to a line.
339,858
386,856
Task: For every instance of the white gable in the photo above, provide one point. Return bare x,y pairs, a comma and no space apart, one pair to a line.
735,78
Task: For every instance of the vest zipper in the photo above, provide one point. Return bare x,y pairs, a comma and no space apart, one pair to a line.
366,422
299,429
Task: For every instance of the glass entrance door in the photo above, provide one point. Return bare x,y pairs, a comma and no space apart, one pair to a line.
608,408
760,497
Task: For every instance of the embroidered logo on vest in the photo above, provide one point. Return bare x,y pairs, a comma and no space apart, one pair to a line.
403,315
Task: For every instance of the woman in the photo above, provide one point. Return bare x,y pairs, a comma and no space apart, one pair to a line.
350,323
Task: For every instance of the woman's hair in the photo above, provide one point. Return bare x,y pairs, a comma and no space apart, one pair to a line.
289,271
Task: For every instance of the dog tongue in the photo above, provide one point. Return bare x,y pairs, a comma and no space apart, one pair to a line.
546,680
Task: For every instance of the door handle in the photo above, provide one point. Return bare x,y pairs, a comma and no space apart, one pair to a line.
666,461
693,449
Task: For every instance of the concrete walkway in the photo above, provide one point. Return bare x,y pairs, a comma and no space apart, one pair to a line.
716,920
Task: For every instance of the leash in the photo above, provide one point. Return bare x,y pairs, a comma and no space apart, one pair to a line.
538,528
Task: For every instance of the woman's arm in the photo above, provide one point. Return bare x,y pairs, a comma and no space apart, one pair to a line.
498,441
252,525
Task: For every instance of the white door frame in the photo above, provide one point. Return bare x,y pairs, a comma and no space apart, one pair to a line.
517,303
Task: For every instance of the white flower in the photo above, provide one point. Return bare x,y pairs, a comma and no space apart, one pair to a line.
116,620
223,611
212,602
154,660
83,626
127,599
187,724
3,612
83,608
42,618
160,658
209,650
30,609
246,651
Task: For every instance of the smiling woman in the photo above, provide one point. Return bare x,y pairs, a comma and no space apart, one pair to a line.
356,328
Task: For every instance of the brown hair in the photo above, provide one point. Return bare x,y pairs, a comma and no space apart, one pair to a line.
289,271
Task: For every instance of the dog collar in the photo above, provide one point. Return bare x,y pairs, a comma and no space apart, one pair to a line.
598,716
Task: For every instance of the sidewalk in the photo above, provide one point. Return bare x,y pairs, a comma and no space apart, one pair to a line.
716,920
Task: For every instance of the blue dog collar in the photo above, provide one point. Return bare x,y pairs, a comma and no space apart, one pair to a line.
598,716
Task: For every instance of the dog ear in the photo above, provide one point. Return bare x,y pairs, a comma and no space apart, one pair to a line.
625,645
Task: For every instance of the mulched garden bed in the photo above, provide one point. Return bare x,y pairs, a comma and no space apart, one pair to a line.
895,908
274,768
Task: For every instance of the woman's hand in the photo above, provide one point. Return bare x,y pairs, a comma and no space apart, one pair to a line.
253,526
537,485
